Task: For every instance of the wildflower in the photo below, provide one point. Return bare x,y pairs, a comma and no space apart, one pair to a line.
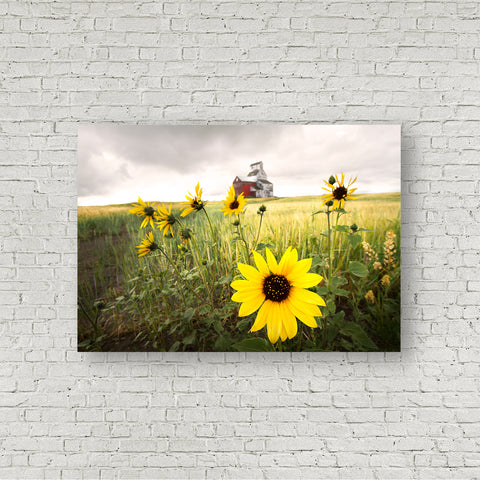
233,203
377,266
194,202
389,250
261,210
340,193
369,252
167,220
185,235
370,297
279,292
148,245
385,280
144,209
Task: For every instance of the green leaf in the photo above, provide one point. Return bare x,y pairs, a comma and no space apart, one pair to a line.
338,281
355,240
342,228
358,269
358,336
190,339
253,345
340,292
322,290
188,314
217,325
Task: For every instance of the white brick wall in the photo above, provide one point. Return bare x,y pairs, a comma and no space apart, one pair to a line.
118,416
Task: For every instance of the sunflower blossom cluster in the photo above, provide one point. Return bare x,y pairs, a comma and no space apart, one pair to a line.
279,292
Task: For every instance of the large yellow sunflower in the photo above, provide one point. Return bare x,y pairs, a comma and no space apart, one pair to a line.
148,245
279,291
194,201
144,209
167,220
233,204
339,192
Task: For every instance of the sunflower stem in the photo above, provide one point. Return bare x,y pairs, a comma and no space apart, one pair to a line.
258,232
329,248
240,232
211,226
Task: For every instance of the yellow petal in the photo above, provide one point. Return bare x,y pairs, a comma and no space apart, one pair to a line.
306,296
289,320
283,333
306,318
261,264
141,202
271,261
262,316
250,273
306,280
300,268
289,262
249,307
243,285
246,295
274,323
144,223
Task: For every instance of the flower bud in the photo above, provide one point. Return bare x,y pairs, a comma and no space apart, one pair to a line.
329,203
236,223
262,209
354,227
332,180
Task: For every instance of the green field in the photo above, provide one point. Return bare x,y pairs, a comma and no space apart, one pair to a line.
183,303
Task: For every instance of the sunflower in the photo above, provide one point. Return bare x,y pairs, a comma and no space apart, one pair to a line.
144,209
194,202
148,245
233,204
340,193
279,290
167,219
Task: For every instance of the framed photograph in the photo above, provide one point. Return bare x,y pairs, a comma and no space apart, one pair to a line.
272,238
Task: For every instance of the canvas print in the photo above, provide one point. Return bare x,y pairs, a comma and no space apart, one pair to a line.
271,238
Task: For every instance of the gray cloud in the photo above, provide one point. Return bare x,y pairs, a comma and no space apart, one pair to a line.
118,162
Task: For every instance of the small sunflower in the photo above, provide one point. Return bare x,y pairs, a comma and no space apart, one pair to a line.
144,209
167,219
194,202
148,245
338,193
233,204
279,290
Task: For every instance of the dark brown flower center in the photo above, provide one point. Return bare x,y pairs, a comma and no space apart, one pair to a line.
149,211
339,193
197,204
171,219
276,288
234,205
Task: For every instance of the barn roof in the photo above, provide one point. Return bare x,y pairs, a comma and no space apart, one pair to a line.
243,178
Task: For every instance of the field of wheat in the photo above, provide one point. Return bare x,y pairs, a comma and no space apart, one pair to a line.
178,296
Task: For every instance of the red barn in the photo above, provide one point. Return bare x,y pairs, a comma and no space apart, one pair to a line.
255,184
244,185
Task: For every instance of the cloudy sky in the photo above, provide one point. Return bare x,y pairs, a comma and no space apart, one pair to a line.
117,163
